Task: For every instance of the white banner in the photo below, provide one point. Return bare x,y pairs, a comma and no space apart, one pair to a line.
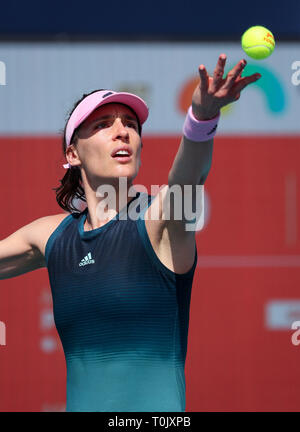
43,80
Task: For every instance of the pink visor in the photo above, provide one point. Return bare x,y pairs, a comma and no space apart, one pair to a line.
94,100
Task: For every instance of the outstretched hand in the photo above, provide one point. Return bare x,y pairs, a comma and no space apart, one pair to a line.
214,92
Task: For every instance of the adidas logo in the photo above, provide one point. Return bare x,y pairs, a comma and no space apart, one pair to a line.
87,260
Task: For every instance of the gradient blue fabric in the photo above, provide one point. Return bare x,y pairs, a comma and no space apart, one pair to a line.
122,316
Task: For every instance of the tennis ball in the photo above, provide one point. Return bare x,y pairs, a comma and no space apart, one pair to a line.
258,42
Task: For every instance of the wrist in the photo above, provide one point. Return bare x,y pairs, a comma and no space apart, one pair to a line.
203,116
199,130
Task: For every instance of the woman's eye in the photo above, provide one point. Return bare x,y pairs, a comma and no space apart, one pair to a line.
133,125
107,124
102,124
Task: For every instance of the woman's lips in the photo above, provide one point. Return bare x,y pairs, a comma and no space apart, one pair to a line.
122,159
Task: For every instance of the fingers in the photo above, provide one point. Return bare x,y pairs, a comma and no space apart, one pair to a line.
233,84
240,74
234,74
218,73
203,78
243,82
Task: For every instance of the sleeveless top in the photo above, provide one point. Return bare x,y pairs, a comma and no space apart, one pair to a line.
121,314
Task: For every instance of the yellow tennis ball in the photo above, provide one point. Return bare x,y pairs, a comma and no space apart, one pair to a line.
258,42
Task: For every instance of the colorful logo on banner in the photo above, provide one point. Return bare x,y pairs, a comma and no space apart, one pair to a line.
269,84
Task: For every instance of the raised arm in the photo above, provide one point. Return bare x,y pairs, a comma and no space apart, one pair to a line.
19,252
193,160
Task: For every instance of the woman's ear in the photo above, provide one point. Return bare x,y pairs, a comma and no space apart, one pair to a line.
72,155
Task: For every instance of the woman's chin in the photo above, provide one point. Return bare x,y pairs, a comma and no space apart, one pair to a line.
128,172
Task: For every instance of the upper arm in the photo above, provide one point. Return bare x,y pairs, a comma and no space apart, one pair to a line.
177,210
172,243
20,252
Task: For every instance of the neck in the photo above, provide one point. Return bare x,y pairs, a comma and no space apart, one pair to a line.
106,201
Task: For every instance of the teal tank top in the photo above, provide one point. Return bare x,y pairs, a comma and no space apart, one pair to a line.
122,316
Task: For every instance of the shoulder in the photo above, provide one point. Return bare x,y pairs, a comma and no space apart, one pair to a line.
165,213
47,222
41,229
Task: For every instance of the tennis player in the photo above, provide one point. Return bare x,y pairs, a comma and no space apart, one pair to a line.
121,286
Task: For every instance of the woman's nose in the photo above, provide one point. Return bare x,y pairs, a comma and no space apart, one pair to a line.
119,127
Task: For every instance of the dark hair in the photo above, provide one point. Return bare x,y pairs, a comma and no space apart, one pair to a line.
71,183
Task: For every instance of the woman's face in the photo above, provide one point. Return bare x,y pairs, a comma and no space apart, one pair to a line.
108,127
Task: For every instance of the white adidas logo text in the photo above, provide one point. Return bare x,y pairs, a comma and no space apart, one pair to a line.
87,260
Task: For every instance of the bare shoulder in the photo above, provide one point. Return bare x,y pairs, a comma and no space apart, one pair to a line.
173,245
42,228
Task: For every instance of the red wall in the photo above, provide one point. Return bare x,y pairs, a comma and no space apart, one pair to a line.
235,362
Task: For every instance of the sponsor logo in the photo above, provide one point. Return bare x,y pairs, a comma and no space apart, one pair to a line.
213,129
107,94
87,260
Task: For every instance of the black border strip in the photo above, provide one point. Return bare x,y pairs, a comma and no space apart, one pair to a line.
137,38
